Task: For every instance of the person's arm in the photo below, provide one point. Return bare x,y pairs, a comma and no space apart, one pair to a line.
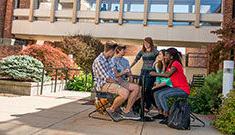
166,74
120,74
137,58
158,85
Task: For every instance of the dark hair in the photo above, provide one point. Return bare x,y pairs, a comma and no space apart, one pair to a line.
120,47
159,63
110,45
150,41
175,55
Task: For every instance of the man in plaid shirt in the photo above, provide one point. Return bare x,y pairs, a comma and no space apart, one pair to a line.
106,81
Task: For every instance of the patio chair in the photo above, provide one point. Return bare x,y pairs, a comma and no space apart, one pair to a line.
103,106
197,81
101,109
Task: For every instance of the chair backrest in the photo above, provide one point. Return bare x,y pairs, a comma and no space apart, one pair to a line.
197,80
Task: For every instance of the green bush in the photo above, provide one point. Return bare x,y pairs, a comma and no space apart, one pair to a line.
207,99
21,68
82,82
225,119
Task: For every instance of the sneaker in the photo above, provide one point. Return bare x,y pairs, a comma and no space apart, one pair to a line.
164,121
159,116
114,115
131,116
120,110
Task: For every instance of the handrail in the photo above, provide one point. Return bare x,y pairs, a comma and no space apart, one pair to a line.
152,16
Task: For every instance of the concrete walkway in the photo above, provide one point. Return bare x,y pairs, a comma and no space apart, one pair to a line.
66,114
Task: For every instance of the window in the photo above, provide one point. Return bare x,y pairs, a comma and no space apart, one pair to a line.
158,8
203,8
137,7
181,8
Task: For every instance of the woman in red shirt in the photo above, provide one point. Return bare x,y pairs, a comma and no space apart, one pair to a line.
175,72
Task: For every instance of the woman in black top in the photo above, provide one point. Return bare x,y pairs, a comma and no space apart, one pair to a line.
148,54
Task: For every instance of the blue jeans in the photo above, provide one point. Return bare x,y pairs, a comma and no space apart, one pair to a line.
161,97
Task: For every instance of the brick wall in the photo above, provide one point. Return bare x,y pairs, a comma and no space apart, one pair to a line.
2,16
197,57
228,13
229,18
8,19
24,3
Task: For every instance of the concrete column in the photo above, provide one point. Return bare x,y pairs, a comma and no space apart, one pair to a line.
171,13
145,18
120,18
197,13
31,10
75,8
228,76
54,5
97,12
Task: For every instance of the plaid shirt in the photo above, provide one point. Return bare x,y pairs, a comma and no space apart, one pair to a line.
102,69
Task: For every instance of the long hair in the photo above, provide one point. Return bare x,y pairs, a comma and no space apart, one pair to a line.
175,55
150,41
159,63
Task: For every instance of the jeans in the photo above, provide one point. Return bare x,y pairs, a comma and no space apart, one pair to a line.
149,81
161,97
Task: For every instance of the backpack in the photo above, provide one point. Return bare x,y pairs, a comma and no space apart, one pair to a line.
179,117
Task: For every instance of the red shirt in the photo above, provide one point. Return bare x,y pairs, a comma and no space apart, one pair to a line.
178,78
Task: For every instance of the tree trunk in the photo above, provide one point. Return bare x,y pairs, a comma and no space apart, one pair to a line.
2,16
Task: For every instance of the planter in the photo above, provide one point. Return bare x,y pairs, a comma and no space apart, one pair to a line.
30,88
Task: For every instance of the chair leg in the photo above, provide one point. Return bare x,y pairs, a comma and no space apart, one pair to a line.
97,110
196,118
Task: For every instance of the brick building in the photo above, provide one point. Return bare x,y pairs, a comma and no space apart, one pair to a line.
6,15
229,20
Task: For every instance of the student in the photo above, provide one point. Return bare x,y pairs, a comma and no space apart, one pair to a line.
148,54
105,81
161,82
180,87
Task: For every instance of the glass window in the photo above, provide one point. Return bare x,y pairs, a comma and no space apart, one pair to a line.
158,8
181,8
116,7
203,9
137,8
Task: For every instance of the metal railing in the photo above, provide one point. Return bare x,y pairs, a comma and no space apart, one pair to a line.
61,72
75,14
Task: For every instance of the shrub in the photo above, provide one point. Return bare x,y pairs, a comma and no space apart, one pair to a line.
81,82
51,57
225,119
84,49
8,50
21,68
207,99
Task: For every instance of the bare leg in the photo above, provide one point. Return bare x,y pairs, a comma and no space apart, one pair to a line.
122,97
133,97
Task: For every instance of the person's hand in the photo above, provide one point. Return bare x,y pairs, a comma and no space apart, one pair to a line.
153,73
110,80
126,71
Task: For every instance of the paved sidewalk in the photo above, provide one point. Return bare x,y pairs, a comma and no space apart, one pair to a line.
66,114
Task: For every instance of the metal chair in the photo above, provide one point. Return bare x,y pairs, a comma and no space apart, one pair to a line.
102,108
